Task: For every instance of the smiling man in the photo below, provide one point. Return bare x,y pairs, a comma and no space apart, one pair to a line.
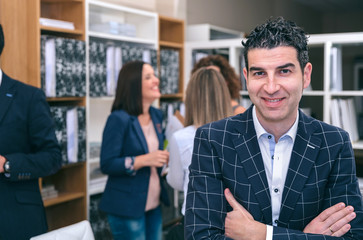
273,172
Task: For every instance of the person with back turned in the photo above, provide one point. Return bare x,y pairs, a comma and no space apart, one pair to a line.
28,150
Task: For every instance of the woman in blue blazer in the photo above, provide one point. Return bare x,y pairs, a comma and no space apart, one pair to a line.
132,156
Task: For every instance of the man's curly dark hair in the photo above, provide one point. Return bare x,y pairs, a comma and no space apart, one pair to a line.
278,32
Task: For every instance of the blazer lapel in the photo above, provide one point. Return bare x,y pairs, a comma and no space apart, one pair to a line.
304,153
249,152
140,134
158,129
7,93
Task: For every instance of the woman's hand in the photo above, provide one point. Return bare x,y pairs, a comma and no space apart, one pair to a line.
153,159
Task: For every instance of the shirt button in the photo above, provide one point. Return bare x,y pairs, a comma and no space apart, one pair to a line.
275,221
269,137
273,156
276,190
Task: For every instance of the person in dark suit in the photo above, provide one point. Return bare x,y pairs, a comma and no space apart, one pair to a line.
28,150
132,156
273,172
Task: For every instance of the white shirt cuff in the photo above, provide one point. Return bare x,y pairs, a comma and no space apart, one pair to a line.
269,232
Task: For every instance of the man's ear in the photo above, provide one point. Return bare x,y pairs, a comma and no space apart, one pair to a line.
245,73
307,74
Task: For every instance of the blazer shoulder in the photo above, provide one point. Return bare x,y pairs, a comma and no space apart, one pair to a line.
156,112
13,83
317,127
225,125
121,115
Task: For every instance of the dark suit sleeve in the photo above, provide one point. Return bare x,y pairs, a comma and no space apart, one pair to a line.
36,152
113,144
333,172
342,186
205,204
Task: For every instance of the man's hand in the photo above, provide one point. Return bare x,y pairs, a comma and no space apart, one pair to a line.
333,221
239,223
2,161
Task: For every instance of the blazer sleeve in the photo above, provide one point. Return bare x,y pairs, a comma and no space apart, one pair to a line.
342,186
113,143
205,205
43,156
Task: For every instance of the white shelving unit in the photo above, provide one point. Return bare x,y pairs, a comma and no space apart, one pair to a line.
205,32
320,45
108,21
233,47
116,22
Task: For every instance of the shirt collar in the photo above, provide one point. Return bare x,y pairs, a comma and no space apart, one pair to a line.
260,130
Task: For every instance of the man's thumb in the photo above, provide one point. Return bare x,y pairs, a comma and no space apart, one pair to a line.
230,199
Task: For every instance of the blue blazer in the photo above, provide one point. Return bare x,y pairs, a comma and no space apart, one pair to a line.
227,155
126,193
28,141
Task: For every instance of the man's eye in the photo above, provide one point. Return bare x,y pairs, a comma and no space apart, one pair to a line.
284,71
258,73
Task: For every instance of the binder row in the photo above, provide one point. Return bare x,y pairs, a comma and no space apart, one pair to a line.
107,58
63,67
70,129
164,106
169,71
343,114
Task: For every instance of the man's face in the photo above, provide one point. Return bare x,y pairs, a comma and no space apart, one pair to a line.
275,82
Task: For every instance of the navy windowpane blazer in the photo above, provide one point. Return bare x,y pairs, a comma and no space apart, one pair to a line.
226,154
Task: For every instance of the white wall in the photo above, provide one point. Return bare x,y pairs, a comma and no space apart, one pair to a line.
244,15
240,15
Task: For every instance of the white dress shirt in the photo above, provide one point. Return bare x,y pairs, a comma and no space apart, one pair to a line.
276,160
1,76
180,156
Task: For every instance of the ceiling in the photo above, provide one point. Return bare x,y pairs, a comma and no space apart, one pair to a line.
333,5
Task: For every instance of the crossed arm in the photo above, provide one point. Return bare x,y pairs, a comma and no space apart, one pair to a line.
239,223
207,203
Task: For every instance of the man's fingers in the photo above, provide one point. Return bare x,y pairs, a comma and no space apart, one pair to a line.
341,217
231,200
341,231
235,205
342,226
330,211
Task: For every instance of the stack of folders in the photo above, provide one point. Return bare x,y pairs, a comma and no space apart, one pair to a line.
106,60
165,107
49,191
56,23
336,83
70,132
360,180
343,115
169,71
63,67
97,178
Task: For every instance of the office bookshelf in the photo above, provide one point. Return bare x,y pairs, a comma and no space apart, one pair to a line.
171,36
150,31
22,60
104,21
